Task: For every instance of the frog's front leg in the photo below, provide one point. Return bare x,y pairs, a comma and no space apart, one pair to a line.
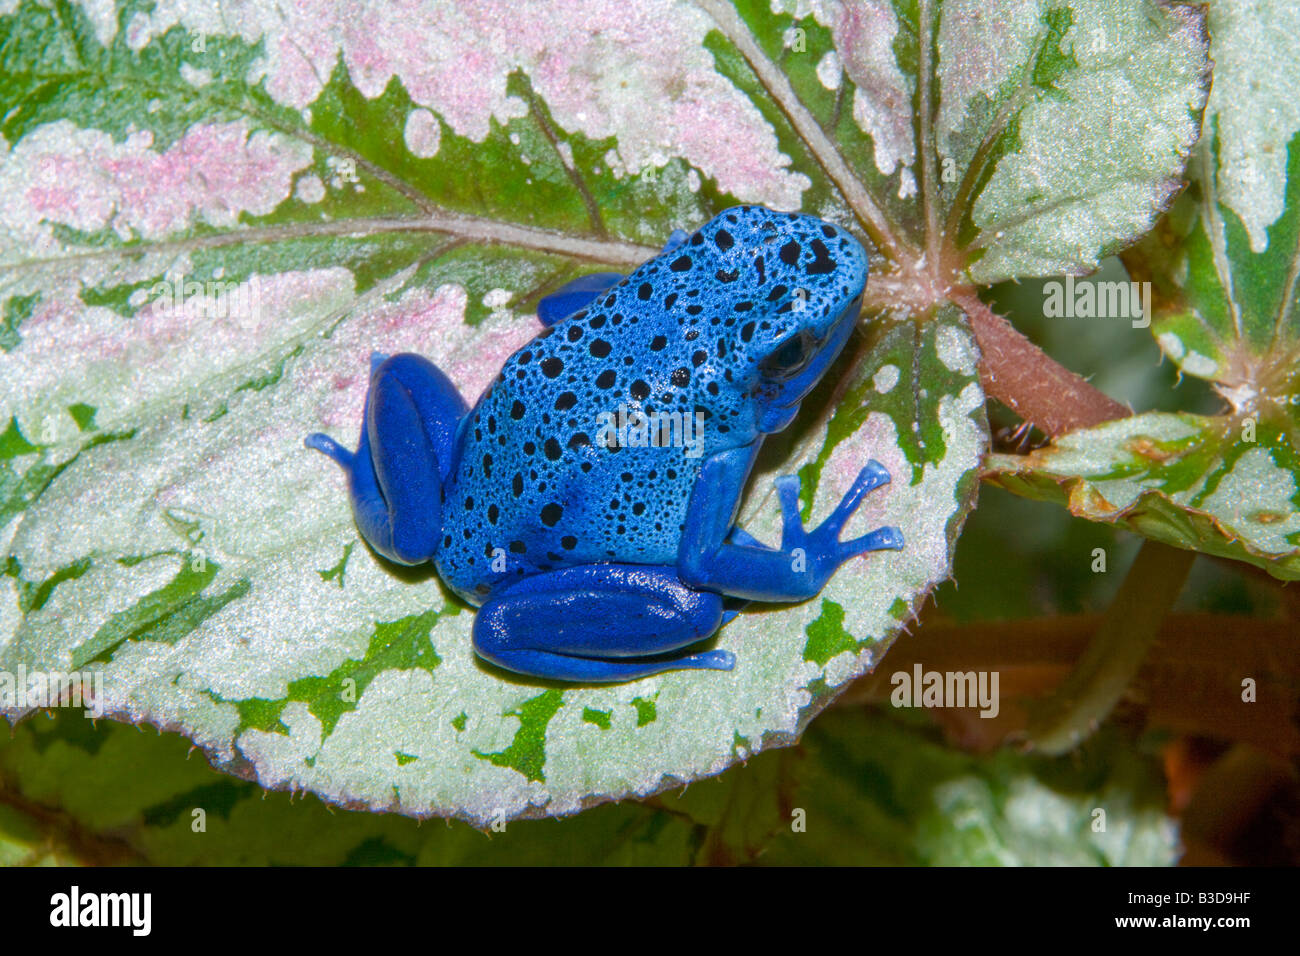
599,623
575,295
396,475
716,555
580,292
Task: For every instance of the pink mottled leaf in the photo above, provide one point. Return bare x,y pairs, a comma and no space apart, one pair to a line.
211,214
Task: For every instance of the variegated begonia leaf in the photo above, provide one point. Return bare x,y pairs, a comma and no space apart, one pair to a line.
113,796
1222,268
322,180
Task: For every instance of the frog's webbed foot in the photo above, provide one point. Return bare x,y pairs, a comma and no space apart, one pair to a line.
599,624
823,544
734,563
395,476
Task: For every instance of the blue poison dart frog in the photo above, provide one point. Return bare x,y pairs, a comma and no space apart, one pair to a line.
587,503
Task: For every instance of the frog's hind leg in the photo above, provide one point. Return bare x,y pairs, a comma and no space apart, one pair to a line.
395,477
599,623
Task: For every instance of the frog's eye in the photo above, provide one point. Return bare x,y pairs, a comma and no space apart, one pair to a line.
790,356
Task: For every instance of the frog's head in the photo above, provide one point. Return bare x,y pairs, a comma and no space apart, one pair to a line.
796,302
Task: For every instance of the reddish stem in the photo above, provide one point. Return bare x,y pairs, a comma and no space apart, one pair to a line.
1023,377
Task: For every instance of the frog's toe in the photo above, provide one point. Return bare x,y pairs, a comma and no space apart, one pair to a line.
888,538
871,477
328,446
376,359
715,660
787,492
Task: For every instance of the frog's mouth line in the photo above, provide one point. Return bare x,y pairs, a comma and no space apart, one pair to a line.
791,393
823,354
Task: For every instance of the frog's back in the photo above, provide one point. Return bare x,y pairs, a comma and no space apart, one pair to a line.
539,480
554,470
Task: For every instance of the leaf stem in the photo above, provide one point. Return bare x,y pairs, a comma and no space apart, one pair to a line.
467,228
1027,380
1073,711
924,117
980,159
63,834
575,177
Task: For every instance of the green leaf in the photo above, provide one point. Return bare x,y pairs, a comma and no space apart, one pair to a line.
880,790
866,788
1222,268
980,145
210,220
1073,123
1183,479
